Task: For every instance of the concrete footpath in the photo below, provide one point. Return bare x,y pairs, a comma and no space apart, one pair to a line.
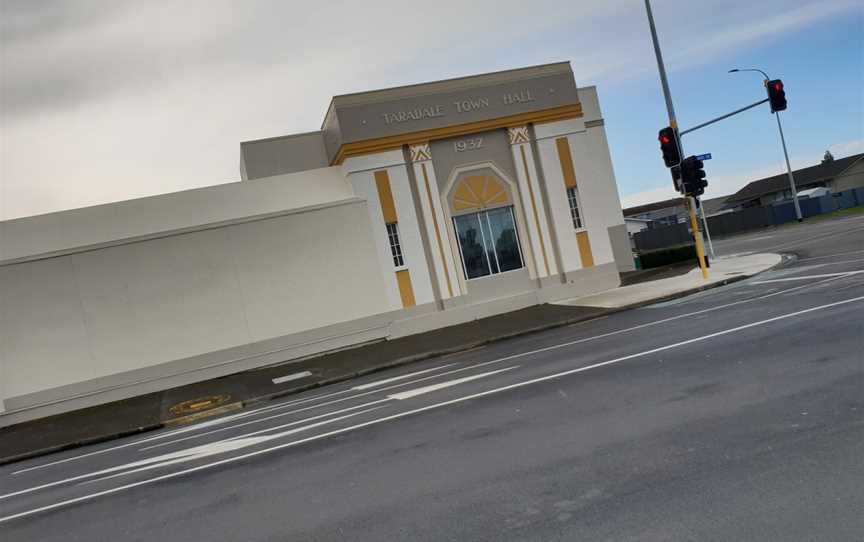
194,402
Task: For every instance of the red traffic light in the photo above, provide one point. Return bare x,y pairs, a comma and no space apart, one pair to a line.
776,95
669,146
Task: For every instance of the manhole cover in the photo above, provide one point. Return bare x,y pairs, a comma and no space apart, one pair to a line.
199,404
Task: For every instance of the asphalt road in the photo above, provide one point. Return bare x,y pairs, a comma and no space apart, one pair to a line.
734,414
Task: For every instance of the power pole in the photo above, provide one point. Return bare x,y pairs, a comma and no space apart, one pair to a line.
691,202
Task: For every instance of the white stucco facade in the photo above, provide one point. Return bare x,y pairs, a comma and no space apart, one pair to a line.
412,209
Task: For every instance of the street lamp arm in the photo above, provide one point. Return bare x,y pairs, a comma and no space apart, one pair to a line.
765,75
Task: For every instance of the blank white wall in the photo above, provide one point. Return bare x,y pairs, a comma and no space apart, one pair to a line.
103,312
114,222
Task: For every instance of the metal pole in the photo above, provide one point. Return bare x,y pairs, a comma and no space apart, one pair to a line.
789,171
691,202
707,233
726,116
782,140
662,69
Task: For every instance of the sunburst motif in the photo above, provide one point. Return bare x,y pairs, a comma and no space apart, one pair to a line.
479,192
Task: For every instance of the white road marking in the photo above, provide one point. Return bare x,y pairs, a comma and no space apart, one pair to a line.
808,277
378,383
205,425
228,460
211,448
297,422
858,260
187,454
408,394
202,425
830,255
819,237
289,378
334,401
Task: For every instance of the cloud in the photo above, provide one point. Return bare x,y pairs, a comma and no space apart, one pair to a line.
840,150
105,100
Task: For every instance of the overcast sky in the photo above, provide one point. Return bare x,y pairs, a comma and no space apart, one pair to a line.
104,100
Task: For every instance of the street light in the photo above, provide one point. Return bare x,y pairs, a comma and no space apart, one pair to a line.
783,141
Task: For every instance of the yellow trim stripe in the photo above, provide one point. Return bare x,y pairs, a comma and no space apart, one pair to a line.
566,160
437,229
534,208
585,249
385,196
394,142
406,292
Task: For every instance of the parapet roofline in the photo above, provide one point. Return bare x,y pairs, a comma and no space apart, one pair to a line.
274,138
446,85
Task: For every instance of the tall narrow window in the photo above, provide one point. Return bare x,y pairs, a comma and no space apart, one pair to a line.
573,199
395,246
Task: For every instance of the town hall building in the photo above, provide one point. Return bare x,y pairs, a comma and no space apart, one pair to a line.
412,208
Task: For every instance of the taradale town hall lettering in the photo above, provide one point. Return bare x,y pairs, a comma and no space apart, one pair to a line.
460,106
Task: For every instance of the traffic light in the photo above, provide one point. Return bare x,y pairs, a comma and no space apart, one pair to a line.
693,176
776,95
676,177
669,146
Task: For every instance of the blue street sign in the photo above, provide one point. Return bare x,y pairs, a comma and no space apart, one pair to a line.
706,156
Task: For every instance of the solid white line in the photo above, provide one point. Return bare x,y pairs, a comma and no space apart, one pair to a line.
408,394
378,383
416,411
213,448
297,422
841,262
808,277
289,378
328,403
220,421
195,452
202,425
818,237
830,255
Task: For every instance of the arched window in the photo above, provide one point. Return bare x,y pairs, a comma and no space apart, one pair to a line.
485,227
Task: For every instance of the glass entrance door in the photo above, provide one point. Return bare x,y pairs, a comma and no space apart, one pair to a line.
488,242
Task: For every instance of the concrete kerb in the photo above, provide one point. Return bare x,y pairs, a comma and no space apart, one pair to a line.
79,443
786,260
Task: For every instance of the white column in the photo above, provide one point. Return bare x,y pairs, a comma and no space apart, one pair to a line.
409,233
360,171
434,221
363,184
547,135
532,202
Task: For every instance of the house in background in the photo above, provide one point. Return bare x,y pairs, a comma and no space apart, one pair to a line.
655,215
835,175
666,213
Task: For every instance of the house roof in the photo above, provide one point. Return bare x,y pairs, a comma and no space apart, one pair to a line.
657,205
803,177
713,205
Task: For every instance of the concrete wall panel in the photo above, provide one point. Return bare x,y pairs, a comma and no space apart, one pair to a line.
93,314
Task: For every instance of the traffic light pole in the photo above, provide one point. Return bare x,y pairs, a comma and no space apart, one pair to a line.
792,186
691,202
789,171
